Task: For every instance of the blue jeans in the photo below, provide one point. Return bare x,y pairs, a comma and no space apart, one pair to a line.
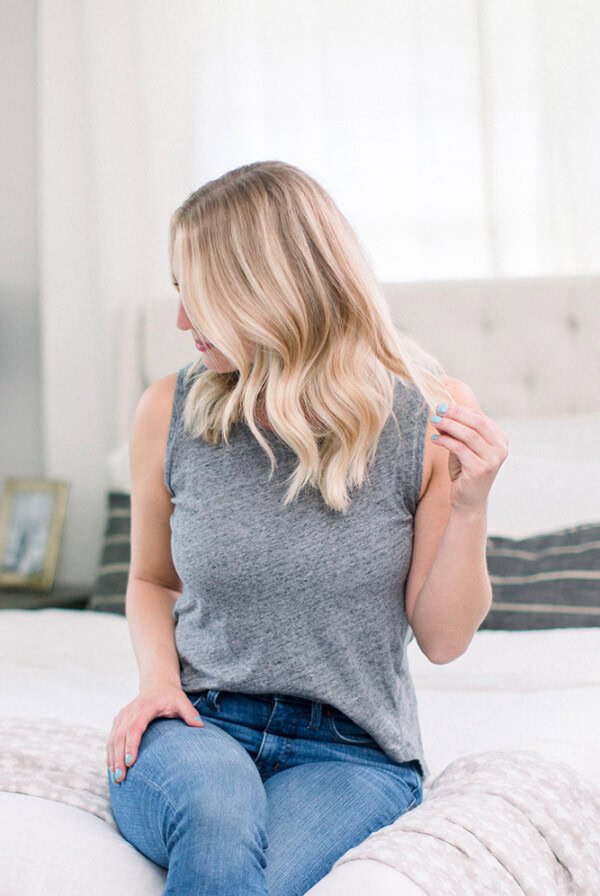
263,799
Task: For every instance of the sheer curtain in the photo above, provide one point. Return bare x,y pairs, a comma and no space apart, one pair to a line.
459,138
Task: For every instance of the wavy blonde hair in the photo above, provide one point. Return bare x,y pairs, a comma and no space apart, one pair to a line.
267,256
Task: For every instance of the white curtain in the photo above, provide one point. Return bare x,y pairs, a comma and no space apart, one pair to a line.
459,137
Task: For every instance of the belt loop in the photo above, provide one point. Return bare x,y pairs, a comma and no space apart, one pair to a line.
315,714
211,699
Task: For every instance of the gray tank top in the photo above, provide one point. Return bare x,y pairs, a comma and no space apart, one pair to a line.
299,600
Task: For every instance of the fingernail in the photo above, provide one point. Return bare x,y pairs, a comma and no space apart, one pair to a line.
435,436
112,777
118,774
442,407
435,418
128,758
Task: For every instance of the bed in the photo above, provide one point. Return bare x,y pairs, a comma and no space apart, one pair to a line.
511,729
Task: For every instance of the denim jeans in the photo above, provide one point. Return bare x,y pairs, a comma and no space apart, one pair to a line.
263,799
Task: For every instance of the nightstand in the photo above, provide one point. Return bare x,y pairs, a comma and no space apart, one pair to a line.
73,597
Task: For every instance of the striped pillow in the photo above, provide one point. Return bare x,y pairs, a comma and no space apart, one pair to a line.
550,580
545,581
110,585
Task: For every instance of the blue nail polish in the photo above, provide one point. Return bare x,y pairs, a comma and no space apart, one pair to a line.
128,758
118,774
436,435
112,777
442,407
435,418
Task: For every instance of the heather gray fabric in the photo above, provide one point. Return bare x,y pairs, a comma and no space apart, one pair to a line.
299,600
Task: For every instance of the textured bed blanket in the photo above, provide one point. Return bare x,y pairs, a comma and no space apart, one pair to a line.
57,761
497,823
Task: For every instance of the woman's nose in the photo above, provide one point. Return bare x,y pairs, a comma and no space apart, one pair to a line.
183,321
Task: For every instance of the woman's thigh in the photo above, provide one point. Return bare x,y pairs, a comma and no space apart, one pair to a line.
328,785
187,779
320,810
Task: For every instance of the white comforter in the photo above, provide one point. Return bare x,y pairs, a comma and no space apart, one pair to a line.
66,673
500,822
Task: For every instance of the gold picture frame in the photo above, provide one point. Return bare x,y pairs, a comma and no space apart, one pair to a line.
32,515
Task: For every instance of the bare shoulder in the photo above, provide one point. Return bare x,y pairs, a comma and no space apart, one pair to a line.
461,394
153,414
151,505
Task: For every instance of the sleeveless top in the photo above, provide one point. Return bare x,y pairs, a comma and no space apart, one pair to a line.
299,600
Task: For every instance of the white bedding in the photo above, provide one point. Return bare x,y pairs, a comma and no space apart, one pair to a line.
503,823
512,690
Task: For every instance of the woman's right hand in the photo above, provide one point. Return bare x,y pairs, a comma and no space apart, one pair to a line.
157,700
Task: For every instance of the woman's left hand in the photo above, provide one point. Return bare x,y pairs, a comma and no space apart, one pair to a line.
477,449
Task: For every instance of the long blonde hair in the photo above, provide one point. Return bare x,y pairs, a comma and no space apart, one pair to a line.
267,256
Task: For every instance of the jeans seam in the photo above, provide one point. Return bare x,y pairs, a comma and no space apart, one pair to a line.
157,787
265,732
348,740
416,793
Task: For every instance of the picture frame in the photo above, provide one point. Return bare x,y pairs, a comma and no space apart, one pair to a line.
32,515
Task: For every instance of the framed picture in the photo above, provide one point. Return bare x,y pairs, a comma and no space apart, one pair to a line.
32,515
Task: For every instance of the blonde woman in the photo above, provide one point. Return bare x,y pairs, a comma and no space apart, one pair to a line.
298,516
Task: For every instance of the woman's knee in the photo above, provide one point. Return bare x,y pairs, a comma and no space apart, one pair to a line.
218,786
171,752
201,774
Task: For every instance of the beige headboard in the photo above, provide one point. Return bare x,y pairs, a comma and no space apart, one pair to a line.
527,346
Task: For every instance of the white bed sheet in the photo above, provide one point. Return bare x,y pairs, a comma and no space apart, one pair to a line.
511,690
42,652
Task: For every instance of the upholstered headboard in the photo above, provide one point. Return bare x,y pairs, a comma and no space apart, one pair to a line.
526,346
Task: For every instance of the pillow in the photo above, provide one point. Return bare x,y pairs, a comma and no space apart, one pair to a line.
549,479
119,474
522,501
110,585
534,494
550,580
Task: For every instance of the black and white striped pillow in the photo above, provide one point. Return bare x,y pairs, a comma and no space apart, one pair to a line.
110,585
551,580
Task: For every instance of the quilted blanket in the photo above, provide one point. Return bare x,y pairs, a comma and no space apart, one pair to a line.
497,823
57,761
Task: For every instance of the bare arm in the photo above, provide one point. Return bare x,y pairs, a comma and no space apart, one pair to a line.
153,585
151,629
456,594
448,590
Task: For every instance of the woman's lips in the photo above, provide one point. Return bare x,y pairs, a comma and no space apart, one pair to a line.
203,346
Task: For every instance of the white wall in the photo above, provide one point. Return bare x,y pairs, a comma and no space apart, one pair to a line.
20,405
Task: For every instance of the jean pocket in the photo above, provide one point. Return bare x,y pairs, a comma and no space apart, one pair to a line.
344,731
418,783
198,699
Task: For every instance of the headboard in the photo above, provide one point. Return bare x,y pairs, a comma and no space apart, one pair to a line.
526,346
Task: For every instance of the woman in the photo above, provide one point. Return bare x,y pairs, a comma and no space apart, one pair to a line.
276,724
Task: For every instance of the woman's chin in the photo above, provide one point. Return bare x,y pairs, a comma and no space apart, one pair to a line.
214,360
